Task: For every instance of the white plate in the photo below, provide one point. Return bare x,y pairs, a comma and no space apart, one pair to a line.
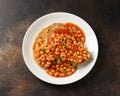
44,21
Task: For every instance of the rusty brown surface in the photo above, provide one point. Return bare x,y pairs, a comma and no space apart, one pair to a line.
17,15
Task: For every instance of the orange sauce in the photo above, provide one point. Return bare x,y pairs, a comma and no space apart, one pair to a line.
73,25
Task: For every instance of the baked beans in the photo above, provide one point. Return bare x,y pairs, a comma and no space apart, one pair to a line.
59,49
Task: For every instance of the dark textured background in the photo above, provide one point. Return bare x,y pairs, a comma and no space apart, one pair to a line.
15,18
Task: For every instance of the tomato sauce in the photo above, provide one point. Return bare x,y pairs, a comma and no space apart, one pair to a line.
63,31
77,27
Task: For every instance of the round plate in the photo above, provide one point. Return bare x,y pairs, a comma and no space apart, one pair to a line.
46,20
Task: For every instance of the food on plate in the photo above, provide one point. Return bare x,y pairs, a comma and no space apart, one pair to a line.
59,49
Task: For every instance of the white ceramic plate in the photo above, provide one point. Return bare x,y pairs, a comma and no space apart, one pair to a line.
46,20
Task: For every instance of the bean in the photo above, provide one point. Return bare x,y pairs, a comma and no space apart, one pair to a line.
73,70
50,73
79,35
52,70
68,36
43,59
57,66
56,40
72,38
43,56
53,35
61,69
75,42
73,27
58,37
57,49
82,38
36,46
78,31
66,51
61,50
63,53
49,63
61,65
37,55
84,55
47,70
65,35
78,43
39,48
64,68
62,35
46,65
57,69
71,59
88,55
47,51
52,49
84,51
85,58
68,69
61,74
77,53
53,66
48,58
64,58
41,52
69,73
56,74
71,30
52,59
57,53
79,57
76,60
67,65
80,60
42,63
38,62
69,27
